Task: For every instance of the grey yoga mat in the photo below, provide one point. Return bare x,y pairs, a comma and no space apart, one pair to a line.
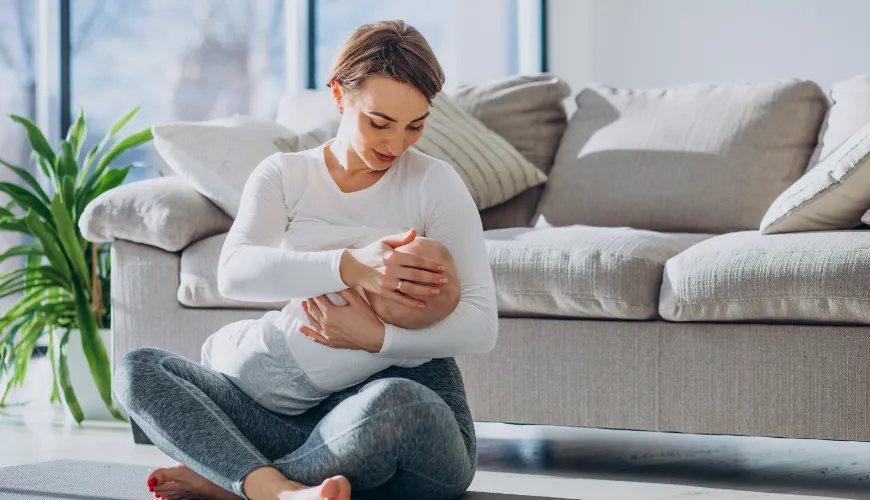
80,480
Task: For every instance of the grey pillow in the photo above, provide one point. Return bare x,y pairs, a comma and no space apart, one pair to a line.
529,112
707,158
162,212
849,111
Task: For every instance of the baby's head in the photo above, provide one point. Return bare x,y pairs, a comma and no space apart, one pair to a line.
438,306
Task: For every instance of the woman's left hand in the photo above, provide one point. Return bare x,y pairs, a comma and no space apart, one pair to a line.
352,326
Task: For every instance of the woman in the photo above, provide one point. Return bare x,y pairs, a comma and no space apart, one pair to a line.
404,432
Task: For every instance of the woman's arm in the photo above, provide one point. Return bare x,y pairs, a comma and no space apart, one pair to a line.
451,217
252,265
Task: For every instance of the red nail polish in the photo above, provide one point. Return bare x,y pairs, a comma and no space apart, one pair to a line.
152,482
151,489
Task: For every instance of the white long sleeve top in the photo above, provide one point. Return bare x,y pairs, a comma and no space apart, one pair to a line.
294,223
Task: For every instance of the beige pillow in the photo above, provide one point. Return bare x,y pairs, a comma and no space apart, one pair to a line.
707,158
833,195
849,111
492,169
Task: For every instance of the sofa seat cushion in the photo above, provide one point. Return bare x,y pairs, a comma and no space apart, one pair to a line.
575,271
198,280
581,271
819,277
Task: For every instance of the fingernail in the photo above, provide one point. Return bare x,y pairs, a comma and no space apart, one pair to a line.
421,305
442,280
441,268
435,291
152,482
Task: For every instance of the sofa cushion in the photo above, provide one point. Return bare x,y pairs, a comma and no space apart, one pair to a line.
849,111
163,212
821,277
581,271
529,112
198,280
833,195
694,158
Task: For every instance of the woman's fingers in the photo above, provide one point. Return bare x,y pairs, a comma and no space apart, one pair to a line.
398,240
322,302
420,276
313,335
414,289
312,313
415,261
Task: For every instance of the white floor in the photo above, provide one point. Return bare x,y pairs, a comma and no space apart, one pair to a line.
587,464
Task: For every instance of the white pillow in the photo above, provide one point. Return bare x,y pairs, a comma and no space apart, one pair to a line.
216,157
492,169
832,195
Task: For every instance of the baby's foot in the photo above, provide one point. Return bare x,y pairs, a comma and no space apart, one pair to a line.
179,482
334,488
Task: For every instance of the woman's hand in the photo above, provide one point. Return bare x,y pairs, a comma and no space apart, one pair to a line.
352,326
378,268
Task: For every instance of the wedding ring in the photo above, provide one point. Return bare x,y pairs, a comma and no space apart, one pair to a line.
399,286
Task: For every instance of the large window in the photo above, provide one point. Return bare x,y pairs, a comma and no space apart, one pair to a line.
475,41
180,60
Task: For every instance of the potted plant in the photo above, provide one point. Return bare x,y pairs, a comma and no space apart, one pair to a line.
63,277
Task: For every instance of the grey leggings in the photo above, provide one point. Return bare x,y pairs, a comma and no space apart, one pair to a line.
404,433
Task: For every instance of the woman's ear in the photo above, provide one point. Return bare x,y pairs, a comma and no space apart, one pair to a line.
336,93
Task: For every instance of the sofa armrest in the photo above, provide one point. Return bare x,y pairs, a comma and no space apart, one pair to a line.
163,212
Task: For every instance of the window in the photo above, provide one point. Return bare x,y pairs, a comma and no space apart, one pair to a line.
179,60
475,41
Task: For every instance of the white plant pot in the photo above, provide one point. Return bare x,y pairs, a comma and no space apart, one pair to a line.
81,379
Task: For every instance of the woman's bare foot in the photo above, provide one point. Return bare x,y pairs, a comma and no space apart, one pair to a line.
334,488
179,482
268,483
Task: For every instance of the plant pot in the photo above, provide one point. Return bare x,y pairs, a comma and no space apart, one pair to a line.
81,379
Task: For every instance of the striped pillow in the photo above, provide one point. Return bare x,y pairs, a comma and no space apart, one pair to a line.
492,169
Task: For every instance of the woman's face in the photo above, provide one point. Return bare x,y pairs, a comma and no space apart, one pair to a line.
383,119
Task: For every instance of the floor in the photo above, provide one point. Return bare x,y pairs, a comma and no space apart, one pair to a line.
588,464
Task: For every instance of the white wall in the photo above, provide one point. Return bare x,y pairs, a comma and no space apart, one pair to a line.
649,43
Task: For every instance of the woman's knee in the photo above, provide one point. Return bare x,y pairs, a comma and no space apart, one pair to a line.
134,375
414,407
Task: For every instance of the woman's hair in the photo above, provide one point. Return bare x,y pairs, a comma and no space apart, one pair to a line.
389,48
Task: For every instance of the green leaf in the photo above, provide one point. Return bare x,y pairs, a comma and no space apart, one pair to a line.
86,167
121,147
55,390
118,125
110,180
29,179
69,394
25,199
68,195
14,225
49,240
69,241
66,162
77,133
21,250
37,140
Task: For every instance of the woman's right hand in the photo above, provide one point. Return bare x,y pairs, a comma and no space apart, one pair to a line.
378,268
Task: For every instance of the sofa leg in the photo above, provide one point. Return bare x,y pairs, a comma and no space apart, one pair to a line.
139,436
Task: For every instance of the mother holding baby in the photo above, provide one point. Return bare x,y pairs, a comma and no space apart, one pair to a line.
402,432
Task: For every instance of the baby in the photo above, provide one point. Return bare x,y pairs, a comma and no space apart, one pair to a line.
278,367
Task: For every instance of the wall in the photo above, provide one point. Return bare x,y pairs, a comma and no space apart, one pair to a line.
649,43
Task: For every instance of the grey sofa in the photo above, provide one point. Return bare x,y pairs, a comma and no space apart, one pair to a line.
634,289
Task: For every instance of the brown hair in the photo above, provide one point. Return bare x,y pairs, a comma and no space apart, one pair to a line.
389,48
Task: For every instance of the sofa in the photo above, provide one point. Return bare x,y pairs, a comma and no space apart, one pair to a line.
635,287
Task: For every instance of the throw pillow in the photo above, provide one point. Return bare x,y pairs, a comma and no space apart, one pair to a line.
707,158
833,195
216,157
492,169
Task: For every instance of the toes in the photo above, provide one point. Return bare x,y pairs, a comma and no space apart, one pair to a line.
335,488
156,477
169,491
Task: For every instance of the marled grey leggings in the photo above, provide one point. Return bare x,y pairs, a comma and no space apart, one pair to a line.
404,433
